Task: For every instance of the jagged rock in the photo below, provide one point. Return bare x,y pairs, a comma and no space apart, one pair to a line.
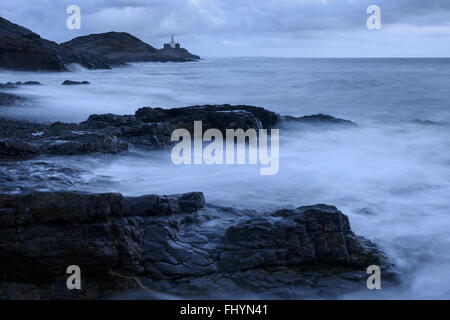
70,82
152,127
10,128
43,233
22,49
168,244
152,205
221,117
317,234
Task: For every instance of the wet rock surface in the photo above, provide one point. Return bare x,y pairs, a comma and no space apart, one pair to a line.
149,128
174,244
21,49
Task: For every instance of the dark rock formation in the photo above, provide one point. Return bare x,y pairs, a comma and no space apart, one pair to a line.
165,243
116,48
314,234
71,83
221,117
150,128
28,83
83,144
174,244
17,149
22,49
12,85
11,128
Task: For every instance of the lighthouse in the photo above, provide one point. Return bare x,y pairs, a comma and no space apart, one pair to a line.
172,44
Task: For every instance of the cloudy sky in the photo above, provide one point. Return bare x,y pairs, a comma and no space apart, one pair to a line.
285,28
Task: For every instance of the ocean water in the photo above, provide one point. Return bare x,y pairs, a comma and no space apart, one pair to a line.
390,175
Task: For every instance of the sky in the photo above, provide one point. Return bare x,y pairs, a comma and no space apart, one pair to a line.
269,28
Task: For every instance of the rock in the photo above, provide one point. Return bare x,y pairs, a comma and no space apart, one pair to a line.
70,82
24,50
317,234
319,119
85,144
116,48
155,205
101,121
168,244
17,149
10,128
26,83
221,117
43,233
12,85
7,99
31,83
152,128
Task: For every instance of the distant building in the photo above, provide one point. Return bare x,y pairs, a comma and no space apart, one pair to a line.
172,44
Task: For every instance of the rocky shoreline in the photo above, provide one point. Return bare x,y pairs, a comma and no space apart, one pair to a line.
23,50
179,244
148,128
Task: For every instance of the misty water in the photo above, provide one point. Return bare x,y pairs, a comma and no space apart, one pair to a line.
390,175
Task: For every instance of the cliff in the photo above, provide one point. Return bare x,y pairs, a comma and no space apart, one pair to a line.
23,50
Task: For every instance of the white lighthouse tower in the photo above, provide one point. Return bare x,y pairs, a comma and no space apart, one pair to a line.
172,42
